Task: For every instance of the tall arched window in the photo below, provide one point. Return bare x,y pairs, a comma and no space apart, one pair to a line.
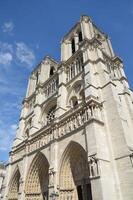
80,36
73,46
37,77
52,71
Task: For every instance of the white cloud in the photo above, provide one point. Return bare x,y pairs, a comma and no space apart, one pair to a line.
6,51
5,58
19,52
13,130
7,134
24,54
4,46
8,27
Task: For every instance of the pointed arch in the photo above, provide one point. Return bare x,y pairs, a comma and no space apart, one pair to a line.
74,91
14,185
48,111
37,178
74,173
52,71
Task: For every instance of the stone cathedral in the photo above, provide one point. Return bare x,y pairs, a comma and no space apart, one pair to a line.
75,135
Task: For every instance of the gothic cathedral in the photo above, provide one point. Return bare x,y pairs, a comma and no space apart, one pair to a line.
75,135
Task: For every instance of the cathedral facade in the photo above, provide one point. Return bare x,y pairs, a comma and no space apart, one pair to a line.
74,140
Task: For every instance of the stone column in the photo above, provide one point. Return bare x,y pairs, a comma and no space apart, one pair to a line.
20,189
110,48
76,41
62,92
24,176
66,50
36,125
53,169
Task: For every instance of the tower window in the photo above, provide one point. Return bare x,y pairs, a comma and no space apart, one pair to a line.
37,77
80,36
52,71
73,46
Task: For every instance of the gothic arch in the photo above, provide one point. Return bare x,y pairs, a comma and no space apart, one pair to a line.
52,71
52,104
37,178
74,173
74,90
14,185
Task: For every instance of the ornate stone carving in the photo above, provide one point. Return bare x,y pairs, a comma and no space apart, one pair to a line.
93,166
51,176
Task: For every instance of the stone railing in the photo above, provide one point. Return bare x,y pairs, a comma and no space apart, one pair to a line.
51,86
74,67
66,124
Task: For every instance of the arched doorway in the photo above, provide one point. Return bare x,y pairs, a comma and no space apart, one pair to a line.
37,179
14,185
74,174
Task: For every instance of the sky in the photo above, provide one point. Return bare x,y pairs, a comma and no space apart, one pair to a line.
32,29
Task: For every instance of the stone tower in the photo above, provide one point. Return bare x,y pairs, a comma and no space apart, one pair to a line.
74,140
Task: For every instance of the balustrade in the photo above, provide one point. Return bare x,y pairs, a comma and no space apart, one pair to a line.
75,67
66,124
51,86
71,122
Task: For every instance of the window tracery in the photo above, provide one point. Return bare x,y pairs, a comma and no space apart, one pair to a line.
48,113
51,114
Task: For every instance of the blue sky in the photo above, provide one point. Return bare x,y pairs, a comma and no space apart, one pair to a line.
31,29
